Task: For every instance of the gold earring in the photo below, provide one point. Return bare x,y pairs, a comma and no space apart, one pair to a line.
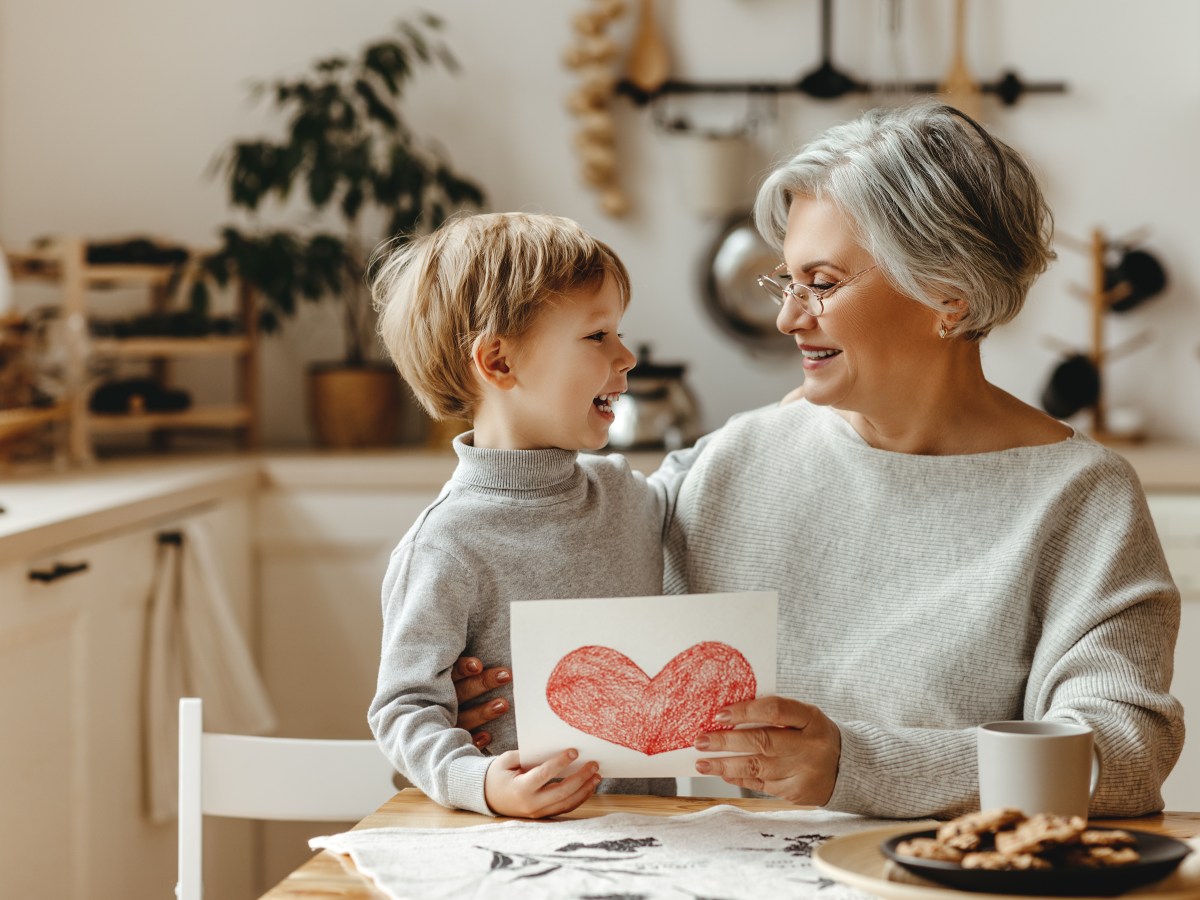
943,331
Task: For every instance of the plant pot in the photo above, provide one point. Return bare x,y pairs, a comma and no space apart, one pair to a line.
353,406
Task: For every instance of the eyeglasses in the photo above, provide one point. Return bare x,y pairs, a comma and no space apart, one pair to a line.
811,300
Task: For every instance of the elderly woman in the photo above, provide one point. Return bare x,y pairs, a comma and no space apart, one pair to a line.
945,555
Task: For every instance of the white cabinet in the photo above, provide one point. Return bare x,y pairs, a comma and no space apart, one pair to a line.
43,847
1177,517
71,670
322,553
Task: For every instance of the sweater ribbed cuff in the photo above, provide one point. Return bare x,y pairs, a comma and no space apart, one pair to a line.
465,783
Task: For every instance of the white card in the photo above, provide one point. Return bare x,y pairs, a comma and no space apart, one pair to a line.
631,681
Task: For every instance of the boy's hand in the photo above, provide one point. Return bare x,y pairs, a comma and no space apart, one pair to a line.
533,794
472,681
796,393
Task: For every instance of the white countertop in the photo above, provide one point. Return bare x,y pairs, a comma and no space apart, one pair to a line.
47,511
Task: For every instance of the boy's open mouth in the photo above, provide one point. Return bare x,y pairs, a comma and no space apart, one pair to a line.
605,402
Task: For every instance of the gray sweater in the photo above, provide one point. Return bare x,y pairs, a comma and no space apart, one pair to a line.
509,525
920,596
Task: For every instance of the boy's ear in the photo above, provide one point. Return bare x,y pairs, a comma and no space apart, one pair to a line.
492,358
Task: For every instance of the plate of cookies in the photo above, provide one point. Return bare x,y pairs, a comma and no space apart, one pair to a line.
1003,851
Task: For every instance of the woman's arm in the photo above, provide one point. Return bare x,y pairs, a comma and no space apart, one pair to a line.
1110,618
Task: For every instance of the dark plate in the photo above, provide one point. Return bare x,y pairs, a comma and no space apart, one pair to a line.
1160,855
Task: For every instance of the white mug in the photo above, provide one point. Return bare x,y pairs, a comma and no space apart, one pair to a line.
1037,767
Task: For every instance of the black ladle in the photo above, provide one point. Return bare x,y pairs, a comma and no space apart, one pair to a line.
826,82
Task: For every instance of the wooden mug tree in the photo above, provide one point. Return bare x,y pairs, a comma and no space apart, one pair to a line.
1101,300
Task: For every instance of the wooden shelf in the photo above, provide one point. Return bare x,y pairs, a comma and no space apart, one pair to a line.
20,421
47,265
64,264
150,347
196,417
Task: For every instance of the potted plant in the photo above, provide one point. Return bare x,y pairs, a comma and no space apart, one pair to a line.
346,155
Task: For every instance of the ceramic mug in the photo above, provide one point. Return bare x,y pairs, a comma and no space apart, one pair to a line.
1036,767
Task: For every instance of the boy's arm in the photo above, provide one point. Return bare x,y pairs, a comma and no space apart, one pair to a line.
427,600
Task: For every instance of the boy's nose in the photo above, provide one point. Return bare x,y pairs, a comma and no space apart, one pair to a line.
625,360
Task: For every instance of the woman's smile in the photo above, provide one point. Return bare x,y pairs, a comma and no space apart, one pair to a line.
817,357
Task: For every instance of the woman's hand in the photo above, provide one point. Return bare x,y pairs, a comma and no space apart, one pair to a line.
472,681
534,794
795,756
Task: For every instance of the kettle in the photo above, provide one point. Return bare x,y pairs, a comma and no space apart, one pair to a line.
658,409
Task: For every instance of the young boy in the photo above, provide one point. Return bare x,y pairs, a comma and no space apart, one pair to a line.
509,320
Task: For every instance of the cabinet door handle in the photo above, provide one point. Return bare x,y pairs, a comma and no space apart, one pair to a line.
60,570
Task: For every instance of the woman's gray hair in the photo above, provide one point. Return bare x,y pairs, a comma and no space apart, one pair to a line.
947,210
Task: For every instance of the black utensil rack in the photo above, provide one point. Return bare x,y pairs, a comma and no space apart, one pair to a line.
827,82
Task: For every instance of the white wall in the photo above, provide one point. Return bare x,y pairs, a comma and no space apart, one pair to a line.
110,114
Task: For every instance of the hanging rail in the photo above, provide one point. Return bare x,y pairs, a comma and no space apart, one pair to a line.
1009,88
827,82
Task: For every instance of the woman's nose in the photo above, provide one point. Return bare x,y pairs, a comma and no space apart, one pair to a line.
792,318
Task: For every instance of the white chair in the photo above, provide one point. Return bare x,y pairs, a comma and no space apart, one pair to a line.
248,777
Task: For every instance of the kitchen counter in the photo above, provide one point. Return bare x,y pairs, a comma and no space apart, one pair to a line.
46,511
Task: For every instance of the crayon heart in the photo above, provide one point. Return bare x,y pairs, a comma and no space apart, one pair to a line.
605,694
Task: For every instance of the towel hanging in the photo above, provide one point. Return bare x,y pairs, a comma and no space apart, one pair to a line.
193,648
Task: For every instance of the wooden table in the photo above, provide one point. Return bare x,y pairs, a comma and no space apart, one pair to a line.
325,875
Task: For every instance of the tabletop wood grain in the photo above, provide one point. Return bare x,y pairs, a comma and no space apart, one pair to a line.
330,876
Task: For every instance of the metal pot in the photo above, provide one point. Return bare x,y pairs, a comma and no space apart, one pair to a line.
731,295
658,409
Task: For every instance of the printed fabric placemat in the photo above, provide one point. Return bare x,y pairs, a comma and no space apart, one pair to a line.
722,852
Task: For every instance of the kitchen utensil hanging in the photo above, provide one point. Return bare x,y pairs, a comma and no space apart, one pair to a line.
711,164
828,82
649,64
732,298
960,88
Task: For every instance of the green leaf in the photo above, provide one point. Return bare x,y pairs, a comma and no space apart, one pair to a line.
388,60
376,109
321,183
352,201
332,64
416,40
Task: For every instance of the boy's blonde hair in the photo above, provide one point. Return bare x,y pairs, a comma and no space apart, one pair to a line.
478,277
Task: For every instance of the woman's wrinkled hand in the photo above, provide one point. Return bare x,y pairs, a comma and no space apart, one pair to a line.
471,682
793,755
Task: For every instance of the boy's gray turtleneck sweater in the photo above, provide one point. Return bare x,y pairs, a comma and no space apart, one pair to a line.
509,525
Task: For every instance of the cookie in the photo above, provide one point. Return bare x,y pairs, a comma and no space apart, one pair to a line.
1101,857
928,848
995,860
966,832
1108,837
1040,833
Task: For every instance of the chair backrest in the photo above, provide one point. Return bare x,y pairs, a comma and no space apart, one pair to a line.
247,777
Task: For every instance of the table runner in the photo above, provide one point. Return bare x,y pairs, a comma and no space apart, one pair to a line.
722,852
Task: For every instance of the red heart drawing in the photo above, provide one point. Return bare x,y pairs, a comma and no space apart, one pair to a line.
605,694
